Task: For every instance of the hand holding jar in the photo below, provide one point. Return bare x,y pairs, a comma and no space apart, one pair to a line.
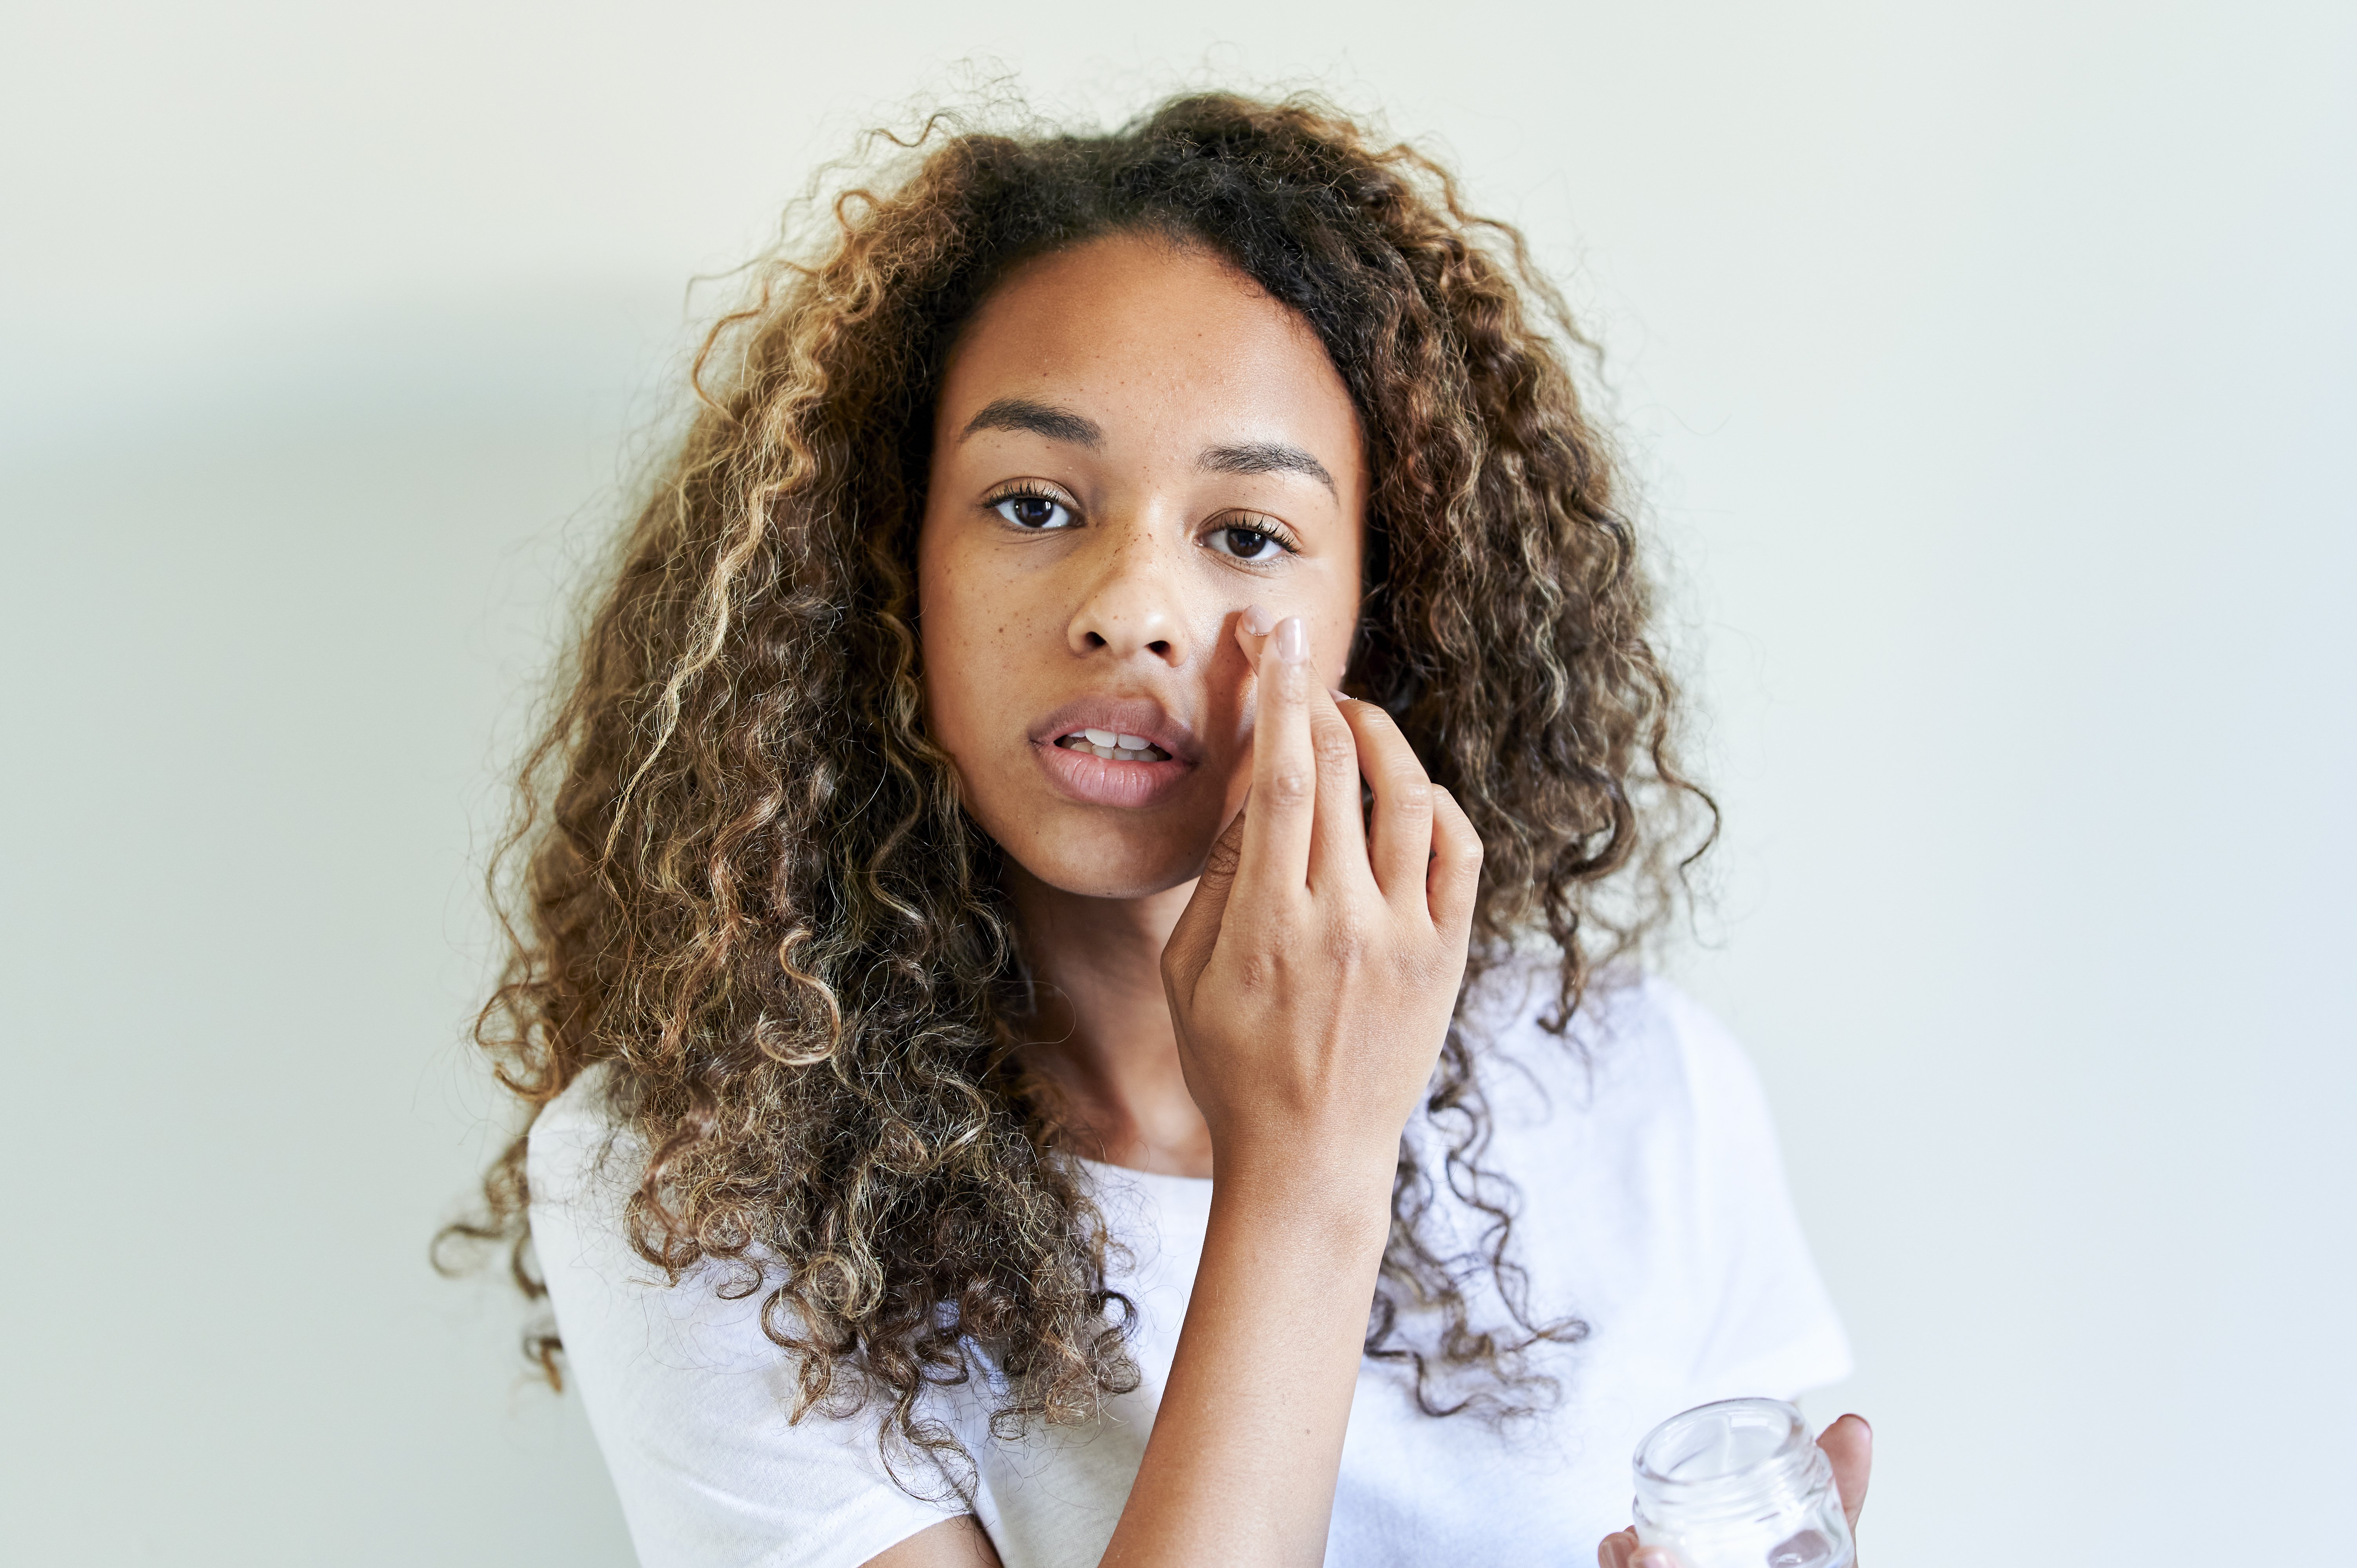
1738,1485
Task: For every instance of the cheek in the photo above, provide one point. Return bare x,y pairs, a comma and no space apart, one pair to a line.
968,630
944,640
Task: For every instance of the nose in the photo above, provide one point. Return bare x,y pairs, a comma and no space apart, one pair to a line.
1133,599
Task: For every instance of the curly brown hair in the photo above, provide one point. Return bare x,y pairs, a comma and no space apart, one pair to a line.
746,880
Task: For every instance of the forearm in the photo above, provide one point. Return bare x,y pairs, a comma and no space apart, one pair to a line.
1311,980
1240,1465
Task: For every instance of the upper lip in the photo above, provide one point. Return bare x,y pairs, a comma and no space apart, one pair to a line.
1124,715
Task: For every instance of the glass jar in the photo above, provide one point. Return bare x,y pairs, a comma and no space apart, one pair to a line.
1739,1484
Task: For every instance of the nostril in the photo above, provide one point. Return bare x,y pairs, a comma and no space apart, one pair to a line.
1163,649
1094,640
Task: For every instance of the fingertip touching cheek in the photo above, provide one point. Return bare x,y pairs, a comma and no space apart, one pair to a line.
1134,446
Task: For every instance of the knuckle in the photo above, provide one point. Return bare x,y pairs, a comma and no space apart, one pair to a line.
1429,967
1351,937
1409,787
1334,745
1292,787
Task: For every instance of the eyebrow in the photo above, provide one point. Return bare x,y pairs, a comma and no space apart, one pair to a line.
1021,413
1265,457
1040,419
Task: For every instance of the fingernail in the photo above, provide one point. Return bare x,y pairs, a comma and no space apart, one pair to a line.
1652,1557
1340,694
1258,622
1293,640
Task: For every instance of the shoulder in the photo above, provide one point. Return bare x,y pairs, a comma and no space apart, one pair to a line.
693,1398
1637,1052
1650,1163
1641,1118
577,1152
581,1165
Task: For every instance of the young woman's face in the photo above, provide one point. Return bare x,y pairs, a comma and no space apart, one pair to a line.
1134,444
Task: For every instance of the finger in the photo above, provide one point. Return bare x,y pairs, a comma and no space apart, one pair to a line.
1454,876
1198,931
1337,850
1653,1557
1849,1445
1612,1552
1400,846
1278,830
1253,628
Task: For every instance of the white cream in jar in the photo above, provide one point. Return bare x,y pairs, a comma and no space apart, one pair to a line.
1741,1484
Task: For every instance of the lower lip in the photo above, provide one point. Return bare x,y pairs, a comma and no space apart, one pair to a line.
1105,781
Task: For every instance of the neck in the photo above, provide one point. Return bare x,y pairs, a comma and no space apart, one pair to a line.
1104,1033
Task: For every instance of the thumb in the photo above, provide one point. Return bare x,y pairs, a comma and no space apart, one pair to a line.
1198,931
1849,1445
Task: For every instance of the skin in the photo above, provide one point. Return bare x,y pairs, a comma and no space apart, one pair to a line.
1148,491
1138,593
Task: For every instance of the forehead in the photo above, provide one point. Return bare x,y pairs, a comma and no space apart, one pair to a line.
1157,336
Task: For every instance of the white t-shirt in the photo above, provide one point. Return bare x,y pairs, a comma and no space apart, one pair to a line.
1653,1208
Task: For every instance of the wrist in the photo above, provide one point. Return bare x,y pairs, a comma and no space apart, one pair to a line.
1340,1198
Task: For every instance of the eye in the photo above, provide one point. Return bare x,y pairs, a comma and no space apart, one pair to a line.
1028,509
1246,543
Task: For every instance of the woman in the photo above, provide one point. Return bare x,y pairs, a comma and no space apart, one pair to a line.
1027,1069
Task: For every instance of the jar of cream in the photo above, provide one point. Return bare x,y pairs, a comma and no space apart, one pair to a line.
1739,1484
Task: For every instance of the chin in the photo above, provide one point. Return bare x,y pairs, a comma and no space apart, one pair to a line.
1141,880
1104,864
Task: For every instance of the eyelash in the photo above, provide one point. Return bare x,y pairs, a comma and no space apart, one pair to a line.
1267,527
1019,492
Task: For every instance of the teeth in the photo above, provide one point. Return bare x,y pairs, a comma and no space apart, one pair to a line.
1103,737
1144,751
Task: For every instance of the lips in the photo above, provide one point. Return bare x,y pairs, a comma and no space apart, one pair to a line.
1113,751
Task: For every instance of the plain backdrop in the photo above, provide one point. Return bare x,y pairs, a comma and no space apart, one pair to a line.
1989,371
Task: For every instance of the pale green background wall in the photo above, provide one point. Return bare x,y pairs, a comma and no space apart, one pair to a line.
1990,367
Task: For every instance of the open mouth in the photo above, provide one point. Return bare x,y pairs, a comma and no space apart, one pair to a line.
1112,745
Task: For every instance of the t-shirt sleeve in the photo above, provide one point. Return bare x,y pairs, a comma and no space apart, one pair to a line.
1771,1329
688,1398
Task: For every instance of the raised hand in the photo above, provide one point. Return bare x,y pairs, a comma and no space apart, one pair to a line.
1310,980
1312,976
